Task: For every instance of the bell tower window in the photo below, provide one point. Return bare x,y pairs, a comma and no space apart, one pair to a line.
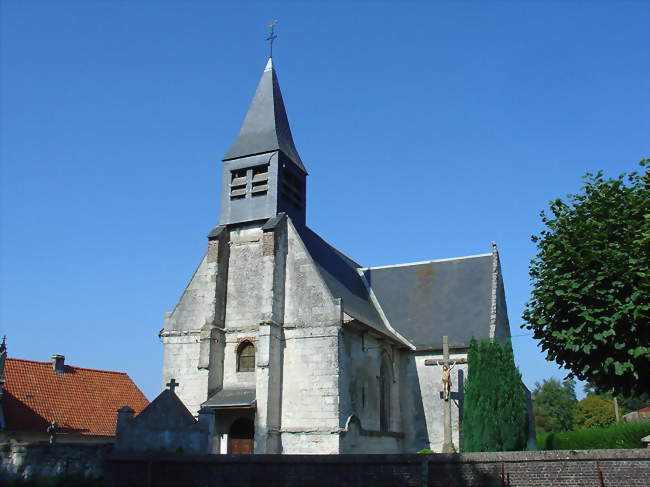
260,181
292,189
249,182
238,184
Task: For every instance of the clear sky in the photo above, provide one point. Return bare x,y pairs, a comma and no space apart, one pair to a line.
428,129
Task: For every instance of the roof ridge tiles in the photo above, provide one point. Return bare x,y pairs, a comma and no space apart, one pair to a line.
432,261
49,364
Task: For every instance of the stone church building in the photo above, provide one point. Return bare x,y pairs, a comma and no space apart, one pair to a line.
297,347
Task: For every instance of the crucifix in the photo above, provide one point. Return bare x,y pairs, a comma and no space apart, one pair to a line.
446,365
172,384
272,36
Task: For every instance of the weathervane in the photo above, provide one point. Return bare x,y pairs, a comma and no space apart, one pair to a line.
272,36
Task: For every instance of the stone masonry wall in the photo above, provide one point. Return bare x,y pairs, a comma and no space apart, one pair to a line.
34,461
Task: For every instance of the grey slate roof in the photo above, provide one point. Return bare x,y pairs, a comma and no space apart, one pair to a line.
266,127
166,411
424,301
230,398
341,276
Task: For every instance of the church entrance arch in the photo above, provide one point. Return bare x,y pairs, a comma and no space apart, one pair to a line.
240,437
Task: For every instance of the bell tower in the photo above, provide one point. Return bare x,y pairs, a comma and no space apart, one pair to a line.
262,173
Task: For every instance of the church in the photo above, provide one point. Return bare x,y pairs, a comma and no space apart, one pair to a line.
298,348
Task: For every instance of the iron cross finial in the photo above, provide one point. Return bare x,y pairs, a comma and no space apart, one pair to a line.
272,36
172,384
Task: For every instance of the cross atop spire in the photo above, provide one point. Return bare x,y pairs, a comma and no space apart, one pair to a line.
272,36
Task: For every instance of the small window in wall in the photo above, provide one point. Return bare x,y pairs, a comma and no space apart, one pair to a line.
385,379
246,357
260,182
238,184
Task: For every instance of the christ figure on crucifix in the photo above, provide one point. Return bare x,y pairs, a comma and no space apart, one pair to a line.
446,379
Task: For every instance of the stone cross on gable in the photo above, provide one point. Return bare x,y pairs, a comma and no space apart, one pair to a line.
172,384
447,365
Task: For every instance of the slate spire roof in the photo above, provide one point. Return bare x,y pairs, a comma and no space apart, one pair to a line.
266,127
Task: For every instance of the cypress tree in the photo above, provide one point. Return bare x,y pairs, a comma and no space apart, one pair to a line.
495,413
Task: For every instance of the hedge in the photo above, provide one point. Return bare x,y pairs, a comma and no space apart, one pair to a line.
619,435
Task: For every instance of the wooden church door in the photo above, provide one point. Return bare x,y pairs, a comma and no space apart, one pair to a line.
240,439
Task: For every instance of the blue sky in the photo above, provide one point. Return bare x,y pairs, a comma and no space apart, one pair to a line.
429,130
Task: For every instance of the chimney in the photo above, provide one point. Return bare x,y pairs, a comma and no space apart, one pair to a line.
58,364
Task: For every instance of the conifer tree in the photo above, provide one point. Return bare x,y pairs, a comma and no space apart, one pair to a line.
495,413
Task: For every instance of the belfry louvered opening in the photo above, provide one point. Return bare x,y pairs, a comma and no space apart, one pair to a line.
260,180
292,189
250,181
238,184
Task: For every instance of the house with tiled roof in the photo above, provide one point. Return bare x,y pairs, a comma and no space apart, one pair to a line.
83,402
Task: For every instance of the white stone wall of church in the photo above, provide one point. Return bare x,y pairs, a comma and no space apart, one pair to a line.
245,275
362,362
426,380
196,305
232,378
180,361
310,443
310,392
308,300
181,339
310,381
361,358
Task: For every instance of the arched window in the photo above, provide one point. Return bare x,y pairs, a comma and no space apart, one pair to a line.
385,380
246,357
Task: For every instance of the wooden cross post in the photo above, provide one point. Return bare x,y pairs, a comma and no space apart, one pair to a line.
446,365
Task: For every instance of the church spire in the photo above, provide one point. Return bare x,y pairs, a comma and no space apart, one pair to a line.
266,127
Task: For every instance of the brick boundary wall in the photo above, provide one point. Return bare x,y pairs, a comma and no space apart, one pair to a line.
592,468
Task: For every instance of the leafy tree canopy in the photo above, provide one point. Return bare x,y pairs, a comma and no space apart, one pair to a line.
593,412
626,404
590,304
553,403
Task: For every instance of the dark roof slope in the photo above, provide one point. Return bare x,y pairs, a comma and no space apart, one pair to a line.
167,411
341,276
424,301
82,401
266,126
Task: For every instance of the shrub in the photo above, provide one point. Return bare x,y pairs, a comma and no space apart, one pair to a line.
618,436
593,412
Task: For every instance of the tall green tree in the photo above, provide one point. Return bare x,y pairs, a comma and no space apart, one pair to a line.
495,413
590,303
553,403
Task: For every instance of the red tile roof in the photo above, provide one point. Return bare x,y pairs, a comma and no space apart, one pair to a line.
82,401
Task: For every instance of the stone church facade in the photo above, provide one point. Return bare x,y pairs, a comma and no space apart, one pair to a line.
298,348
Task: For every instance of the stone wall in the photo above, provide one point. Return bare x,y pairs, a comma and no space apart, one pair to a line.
600,468
34,461
423,413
